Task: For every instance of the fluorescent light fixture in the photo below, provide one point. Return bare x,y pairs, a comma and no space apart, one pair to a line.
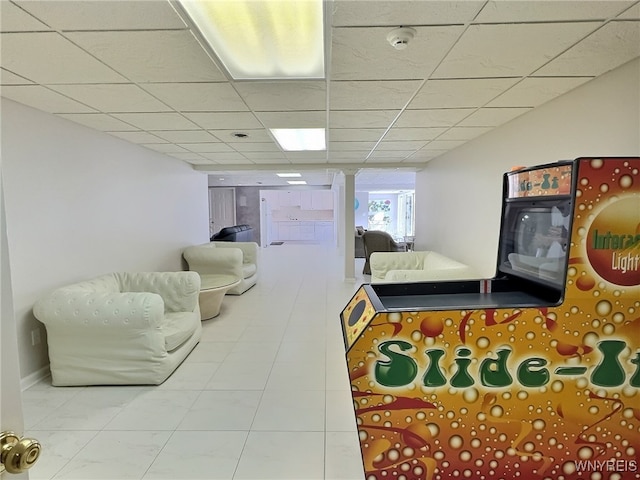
298,139
288,175
263,39
296,182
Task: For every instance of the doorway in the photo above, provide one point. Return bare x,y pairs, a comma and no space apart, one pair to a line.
222,209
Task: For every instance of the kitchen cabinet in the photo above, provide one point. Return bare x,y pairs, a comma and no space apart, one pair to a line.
289,199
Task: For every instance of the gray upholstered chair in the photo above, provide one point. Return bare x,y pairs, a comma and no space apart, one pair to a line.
379,241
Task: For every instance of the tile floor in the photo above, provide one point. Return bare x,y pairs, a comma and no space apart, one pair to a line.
265,394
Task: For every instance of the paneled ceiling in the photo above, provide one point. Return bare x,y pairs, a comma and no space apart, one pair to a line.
136,70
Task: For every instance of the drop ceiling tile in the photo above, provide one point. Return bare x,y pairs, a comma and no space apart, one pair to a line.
164,147
185,136
349,155
404,134
138,137
50,58
99,121
194,161
411,12
492,117
384,155
341,159
262,160
445,117
312,119
43,99
256,156
254,147
460,93
464,133
534,91
424,155
443,144
364,53
302,156
632,13
151,56
157,121
15,19
408,145
206,147
190,157
611,46
378,95
112,98
196,97
509,50
278,96
104,14
351,146
254,135
9,78
225,157
498,11
224,120
355,134
362,119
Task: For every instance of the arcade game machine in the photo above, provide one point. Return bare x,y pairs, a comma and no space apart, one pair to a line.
532,374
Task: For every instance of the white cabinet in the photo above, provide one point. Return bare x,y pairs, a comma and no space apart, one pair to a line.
316,200
324,232
322,200
307,231
289,199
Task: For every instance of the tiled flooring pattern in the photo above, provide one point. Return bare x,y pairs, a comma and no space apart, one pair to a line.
265,394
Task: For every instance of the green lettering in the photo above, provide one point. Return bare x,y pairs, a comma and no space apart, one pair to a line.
635,379
462,379
399,370
494,373
533,378
434,376
609,372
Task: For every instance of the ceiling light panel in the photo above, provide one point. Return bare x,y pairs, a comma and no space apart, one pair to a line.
300,139
259,40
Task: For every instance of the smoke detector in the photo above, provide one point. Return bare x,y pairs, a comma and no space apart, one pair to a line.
400,37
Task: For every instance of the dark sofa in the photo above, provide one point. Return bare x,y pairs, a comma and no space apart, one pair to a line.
237,233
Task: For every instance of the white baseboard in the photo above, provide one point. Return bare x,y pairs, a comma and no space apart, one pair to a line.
35,377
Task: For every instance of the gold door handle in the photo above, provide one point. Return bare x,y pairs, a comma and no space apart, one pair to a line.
17,454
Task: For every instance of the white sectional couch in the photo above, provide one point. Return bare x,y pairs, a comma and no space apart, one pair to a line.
390,267
121,328
239,259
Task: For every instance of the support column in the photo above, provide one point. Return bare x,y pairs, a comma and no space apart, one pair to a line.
349,224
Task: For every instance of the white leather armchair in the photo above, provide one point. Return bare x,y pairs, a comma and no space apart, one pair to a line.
121,328
390,267
239,259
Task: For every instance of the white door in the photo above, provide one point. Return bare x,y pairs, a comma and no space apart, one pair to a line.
11,419
222,208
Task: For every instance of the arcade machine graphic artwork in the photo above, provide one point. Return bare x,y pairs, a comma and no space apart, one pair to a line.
531,374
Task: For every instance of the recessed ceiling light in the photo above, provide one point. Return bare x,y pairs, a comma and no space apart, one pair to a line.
300,139
260,39
288,175
296,182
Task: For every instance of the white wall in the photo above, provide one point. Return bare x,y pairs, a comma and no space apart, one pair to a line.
458,196
81,203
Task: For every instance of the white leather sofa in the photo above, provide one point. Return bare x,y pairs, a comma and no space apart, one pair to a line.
391,267
121,328
239,259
